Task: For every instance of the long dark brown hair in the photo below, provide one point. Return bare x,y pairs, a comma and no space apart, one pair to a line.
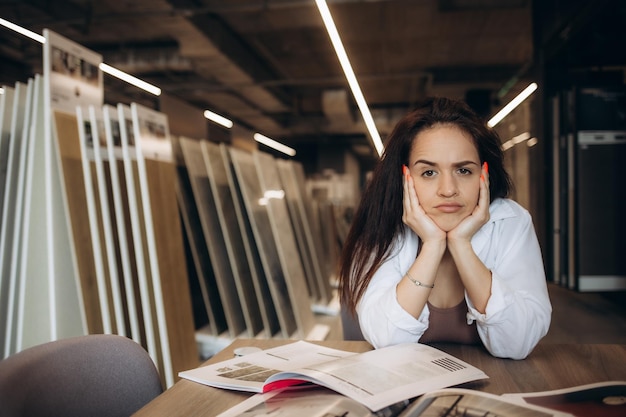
378,219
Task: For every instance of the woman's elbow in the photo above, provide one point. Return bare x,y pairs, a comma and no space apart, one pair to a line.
520,344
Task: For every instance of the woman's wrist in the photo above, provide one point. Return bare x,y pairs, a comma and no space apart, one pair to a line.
434,247
458,244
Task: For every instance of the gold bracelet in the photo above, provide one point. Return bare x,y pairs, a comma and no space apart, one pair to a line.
417,283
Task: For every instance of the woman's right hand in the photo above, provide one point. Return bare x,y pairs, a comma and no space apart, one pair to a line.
414,216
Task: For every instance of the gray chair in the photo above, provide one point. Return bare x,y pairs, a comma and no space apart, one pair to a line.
350,326
94,375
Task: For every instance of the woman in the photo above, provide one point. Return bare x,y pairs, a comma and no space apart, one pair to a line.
436,251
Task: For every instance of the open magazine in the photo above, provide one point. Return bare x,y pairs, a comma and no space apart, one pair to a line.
451,402
309,401
606,399
376,379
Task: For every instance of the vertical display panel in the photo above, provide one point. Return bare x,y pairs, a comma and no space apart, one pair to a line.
35,302
135,209
114,162
7,282
198,246
201,186
262,286
255,203
102,192
315,232
292,200
6,112
163,238
256,321
274,198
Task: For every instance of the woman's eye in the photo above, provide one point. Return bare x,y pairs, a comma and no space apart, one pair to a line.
428,173
464,171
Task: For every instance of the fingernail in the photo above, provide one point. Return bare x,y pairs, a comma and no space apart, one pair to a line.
404,170
486,166
482,177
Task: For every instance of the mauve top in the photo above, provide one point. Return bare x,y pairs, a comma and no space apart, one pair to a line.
450,325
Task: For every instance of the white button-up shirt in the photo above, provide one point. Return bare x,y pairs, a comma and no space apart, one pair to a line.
518,312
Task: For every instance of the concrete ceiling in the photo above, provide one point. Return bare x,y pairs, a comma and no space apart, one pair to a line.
269,64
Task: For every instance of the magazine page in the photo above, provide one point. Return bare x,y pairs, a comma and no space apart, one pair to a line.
377,378
249,372
453,402
310,401
381,377
606,399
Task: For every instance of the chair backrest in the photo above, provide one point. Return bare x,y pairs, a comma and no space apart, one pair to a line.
94,375
350,326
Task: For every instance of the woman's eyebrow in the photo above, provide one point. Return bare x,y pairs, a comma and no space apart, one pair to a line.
425,162
456,164
463,163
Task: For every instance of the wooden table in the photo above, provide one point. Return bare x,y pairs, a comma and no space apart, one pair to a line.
549,366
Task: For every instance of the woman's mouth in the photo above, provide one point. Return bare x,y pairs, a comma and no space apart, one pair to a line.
448,207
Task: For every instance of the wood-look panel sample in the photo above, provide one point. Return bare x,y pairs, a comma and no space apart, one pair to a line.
264,295
86,134
285,241
68,142
106,220
253,197
301,231
198,246
233,240
218,254
132,197
313,227
172,267
121,217
156,176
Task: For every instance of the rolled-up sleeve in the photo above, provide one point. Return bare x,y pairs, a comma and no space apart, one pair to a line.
518,312
383,321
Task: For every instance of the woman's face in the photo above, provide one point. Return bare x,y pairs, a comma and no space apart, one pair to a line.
446,169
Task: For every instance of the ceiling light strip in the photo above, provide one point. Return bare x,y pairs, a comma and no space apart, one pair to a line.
130,79
274,145
512,105
349,73
22,31
157,91
104,67
220,120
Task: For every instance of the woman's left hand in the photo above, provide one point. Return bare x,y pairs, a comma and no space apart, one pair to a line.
480,215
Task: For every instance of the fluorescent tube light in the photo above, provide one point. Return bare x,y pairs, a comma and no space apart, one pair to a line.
104,67
130,79
23,31
512,105
220,120
349,73
274,145
1,90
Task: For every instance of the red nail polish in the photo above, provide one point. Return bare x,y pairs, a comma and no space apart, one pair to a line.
486,166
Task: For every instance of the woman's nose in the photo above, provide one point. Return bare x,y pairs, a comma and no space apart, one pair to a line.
447,186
